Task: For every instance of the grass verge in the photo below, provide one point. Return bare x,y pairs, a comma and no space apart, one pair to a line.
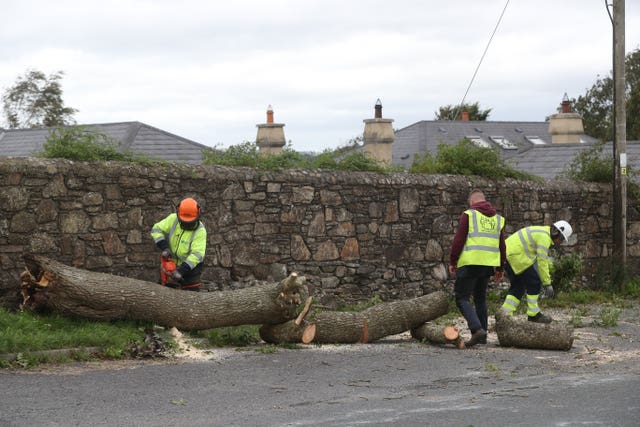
27,338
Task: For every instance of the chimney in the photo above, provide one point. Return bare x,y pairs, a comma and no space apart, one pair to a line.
565,127
465,116
378,136
270,138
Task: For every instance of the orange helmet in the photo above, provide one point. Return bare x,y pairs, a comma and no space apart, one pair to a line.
188,210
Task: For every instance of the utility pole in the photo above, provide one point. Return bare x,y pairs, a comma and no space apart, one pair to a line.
620,137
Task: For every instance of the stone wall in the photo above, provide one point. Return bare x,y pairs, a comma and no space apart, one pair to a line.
353,235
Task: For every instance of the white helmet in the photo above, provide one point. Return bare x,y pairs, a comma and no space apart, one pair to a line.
564,228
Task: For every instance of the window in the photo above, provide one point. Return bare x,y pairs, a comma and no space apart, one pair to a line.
442,130
504,142
478,142
535,140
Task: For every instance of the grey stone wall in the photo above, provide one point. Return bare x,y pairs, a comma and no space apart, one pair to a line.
353,235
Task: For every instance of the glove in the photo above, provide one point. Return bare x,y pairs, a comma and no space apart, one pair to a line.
166,254
176,275
548,291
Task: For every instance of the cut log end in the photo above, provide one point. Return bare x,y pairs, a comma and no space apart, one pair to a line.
451,332
309,334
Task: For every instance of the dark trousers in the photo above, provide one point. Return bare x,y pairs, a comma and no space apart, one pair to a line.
528,281
472,281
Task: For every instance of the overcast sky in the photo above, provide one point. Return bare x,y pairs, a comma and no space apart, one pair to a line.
207,70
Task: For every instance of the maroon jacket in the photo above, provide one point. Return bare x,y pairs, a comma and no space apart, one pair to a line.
460,238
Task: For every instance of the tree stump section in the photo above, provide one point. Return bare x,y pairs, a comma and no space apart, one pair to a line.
515,332
48,284
369,325
439,334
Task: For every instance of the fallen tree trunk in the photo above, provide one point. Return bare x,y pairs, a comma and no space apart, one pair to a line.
48,284
366,326
516,332
438,334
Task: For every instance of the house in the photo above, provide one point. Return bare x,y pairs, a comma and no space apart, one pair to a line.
545,149
136,137
512,139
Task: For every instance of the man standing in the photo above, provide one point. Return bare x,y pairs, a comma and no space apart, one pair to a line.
528,266
477,252
182,238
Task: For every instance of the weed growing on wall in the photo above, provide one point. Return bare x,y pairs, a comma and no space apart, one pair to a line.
350,158
83,143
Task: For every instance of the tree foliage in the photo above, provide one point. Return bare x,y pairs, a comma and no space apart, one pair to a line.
596,105
465,158
453,112
36,100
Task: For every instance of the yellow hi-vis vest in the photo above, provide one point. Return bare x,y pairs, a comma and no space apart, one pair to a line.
483,240
186,245
529,246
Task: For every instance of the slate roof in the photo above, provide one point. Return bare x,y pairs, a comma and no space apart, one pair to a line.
425,136
549,161
133,136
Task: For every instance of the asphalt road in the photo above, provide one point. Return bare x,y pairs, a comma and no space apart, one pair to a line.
392,382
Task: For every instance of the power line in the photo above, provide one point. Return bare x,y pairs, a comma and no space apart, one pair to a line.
479,63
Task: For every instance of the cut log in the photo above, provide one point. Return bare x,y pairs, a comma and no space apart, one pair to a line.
287,332
516,332
366,326
48,284
439,334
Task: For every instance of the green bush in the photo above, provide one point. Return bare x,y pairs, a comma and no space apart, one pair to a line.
566,272
466,158
590,166
595,165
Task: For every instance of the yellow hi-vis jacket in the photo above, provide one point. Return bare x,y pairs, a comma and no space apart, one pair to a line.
187,246
482,246
529,246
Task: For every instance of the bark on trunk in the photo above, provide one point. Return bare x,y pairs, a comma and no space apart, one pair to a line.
438,334
366,326
48,284
516,332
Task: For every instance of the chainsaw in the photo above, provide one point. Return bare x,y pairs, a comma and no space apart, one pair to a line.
168,266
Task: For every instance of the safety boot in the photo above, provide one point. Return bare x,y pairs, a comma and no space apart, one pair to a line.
540,318
478,337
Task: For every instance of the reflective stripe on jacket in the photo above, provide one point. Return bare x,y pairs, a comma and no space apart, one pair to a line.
187,246
530,246
482,246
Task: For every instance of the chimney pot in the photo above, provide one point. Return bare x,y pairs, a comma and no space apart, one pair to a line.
378,109
465,116
269,114
566,104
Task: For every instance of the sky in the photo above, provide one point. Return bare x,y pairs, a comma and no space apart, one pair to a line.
207,70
